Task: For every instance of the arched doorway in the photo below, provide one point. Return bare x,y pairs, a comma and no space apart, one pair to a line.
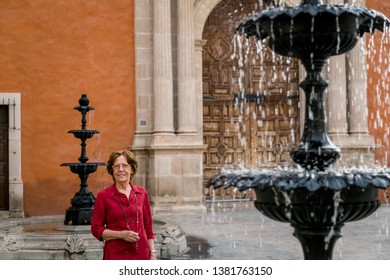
250,119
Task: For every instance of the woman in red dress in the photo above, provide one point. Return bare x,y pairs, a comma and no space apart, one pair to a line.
122,217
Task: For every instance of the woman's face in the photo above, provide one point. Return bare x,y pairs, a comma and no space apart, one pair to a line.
121,170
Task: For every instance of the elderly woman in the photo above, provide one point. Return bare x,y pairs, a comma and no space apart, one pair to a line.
122,216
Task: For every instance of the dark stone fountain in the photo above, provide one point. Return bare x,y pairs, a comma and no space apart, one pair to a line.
80,212
315,199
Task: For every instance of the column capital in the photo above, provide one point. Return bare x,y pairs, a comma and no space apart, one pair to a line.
199,44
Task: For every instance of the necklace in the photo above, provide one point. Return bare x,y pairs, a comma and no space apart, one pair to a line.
136,216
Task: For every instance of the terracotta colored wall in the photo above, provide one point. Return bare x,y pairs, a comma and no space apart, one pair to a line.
379,91
379,86
52,51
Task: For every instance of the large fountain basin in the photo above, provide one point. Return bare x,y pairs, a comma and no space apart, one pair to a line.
316,204
307,29
310,198
322,208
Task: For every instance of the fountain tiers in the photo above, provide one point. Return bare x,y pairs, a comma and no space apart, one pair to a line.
80,211
315,201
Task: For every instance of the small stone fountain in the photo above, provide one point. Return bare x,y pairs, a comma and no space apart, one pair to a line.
80,212
315,199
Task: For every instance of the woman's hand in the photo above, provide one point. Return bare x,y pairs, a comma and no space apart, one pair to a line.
153,255
129,236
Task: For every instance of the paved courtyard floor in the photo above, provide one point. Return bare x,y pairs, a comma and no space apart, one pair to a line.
239,231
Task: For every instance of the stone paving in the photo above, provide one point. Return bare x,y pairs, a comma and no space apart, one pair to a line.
239,231
228,231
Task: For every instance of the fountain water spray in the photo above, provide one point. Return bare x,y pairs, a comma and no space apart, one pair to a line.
314,199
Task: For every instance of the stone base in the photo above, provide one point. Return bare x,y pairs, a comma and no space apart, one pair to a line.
78,216
47,238
166,208
170,242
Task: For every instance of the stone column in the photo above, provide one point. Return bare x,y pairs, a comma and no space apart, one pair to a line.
185,77
198,73
143,24
162,70
357,92
171,163
357,86
337,97
347,104
337,93
360,142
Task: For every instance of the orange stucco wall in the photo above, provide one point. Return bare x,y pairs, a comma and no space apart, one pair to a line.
52,52
379,86
378,92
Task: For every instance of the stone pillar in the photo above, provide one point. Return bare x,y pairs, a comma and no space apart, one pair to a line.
162,71
357,93
337,93
176,162
347,104
337,97
143,24
185,77
357,87
198,73
169,148
360,142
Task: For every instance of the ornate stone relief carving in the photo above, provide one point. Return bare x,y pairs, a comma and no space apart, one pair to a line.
75,244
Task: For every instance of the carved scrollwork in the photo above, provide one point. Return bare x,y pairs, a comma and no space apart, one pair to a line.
219,48
9,244
75,244
221,150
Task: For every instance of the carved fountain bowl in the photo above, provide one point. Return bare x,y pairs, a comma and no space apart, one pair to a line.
83,168
322,208
310,198
306,30
83,133
321,35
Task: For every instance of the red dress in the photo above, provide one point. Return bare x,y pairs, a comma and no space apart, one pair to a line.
108,214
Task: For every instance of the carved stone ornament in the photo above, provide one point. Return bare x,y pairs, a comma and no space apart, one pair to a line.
219,48
9,244
75,244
